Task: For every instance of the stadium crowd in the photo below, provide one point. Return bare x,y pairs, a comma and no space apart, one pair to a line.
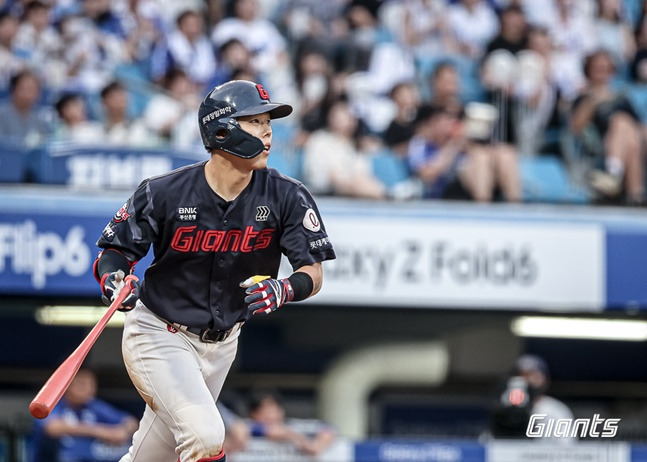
394,99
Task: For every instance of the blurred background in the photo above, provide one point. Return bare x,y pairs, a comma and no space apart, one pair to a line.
480,169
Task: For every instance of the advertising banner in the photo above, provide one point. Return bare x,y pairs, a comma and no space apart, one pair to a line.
419,451
106,167
391,257
465,263
509,451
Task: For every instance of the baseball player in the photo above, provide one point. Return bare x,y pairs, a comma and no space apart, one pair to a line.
218,229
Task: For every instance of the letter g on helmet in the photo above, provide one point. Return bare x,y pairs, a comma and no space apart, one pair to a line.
220,108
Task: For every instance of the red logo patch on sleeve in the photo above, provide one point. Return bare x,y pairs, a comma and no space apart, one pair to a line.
122,214
262,92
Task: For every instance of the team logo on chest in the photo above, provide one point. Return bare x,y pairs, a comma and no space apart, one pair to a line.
187,213
262,213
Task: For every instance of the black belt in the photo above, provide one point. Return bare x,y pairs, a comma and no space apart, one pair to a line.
208,335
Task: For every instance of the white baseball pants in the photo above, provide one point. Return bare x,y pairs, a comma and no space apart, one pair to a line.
180,379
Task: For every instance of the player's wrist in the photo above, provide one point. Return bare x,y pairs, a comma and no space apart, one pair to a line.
102,283
301,284
288,290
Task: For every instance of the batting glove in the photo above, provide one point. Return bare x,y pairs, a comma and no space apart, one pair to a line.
111,285
265,295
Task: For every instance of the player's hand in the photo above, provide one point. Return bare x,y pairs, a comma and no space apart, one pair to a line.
265,295
111,285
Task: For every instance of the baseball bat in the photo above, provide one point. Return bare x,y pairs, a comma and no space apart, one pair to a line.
50,394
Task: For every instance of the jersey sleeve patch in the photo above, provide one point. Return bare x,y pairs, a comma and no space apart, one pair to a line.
316,245
122,214
109,232
311,221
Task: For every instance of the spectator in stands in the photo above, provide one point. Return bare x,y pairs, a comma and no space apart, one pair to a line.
39,44
445,87
83,428
541,97
419,26
364,33
512,31
165,112
188,48
571,30
268,420
493,163
609,129
317,86
24,121
73,123
118,127
334,164
510,40
10,64
436,154
90,56
473,24
101,13
260,36
234,57
145,28
406,98
540,14
372,63
313,22
453,166
614,32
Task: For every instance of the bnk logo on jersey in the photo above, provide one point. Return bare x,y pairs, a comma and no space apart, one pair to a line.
187,213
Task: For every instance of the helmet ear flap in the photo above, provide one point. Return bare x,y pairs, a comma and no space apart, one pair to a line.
222,134
231,138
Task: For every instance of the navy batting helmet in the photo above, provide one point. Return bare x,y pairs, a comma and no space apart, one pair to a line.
218,112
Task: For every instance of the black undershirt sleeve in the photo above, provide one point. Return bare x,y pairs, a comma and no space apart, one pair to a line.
111,261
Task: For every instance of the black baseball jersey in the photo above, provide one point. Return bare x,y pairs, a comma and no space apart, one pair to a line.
204,246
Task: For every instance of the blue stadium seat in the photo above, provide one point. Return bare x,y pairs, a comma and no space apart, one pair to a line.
14,160
140,89
638,97
633,9
545,179
389,168
285,157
